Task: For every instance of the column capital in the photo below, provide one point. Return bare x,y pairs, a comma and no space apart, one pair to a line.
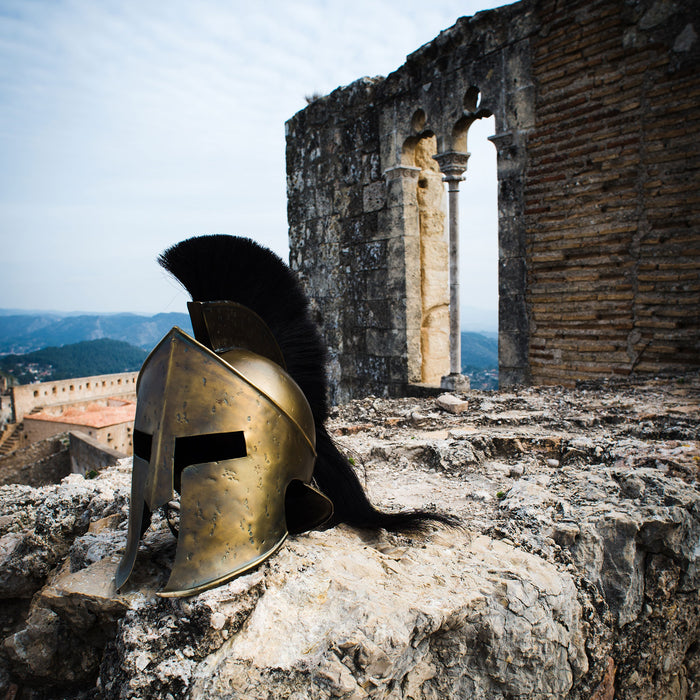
504,139
452,165
402,171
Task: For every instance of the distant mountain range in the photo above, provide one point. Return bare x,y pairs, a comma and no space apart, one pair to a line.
479,351
480,359
23,333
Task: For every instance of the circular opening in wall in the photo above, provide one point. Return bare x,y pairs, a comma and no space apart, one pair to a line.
418,120
472,98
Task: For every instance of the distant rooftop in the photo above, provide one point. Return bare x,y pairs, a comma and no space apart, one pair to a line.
92,416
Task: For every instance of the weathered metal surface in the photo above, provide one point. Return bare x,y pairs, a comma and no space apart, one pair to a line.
229,434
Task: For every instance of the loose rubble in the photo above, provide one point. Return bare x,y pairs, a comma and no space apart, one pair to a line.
576,573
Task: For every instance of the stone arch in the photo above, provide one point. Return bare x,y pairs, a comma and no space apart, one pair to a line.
433,331
473,111
361,198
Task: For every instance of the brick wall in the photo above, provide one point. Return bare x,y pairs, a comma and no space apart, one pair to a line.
612,190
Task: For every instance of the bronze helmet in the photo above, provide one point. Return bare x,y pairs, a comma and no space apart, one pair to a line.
232,433
256,340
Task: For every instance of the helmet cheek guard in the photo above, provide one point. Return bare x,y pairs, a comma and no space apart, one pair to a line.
234,434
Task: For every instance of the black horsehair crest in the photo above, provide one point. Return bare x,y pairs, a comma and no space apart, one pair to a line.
229,268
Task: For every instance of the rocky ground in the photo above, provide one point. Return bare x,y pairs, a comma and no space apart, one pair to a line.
576,573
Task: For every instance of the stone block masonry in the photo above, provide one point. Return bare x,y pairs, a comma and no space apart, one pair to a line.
597,139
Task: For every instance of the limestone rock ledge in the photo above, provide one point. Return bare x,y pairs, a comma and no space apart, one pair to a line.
577,574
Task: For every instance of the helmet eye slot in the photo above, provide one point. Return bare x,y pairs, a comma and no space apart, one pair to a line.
211,447
142,445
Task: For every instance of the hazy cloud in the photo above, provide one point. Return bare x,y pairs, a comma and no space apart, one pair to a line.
126,126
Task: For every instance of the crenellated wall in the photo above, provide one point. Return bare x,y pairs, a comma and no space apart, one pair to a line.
597,137
27,397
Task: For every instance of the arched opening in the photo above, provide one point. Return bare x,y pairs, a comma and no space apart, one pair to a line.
478,264
429,307
434,327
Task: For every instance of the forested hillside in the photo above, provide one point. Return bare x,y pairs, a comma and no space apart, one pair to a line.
47,347
480,359
85,359
479,351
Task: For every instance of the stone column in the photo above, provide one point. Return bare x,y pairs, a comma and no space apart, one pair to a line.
513,317
452,165
399,222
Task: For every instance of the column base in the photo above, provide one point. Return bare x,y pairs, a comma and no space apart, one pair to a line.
455,382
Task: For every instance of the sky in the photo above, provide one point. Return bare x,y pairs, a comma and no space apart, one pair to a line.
129,125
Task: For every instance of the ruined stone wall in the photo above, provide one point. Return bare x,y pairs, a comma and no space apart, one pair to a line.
88,454
361,224
597,133
434,263
44,462
612,190
335,189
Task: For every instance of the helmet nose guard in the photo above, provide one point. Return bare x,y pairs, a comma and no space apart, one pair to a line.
235,436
